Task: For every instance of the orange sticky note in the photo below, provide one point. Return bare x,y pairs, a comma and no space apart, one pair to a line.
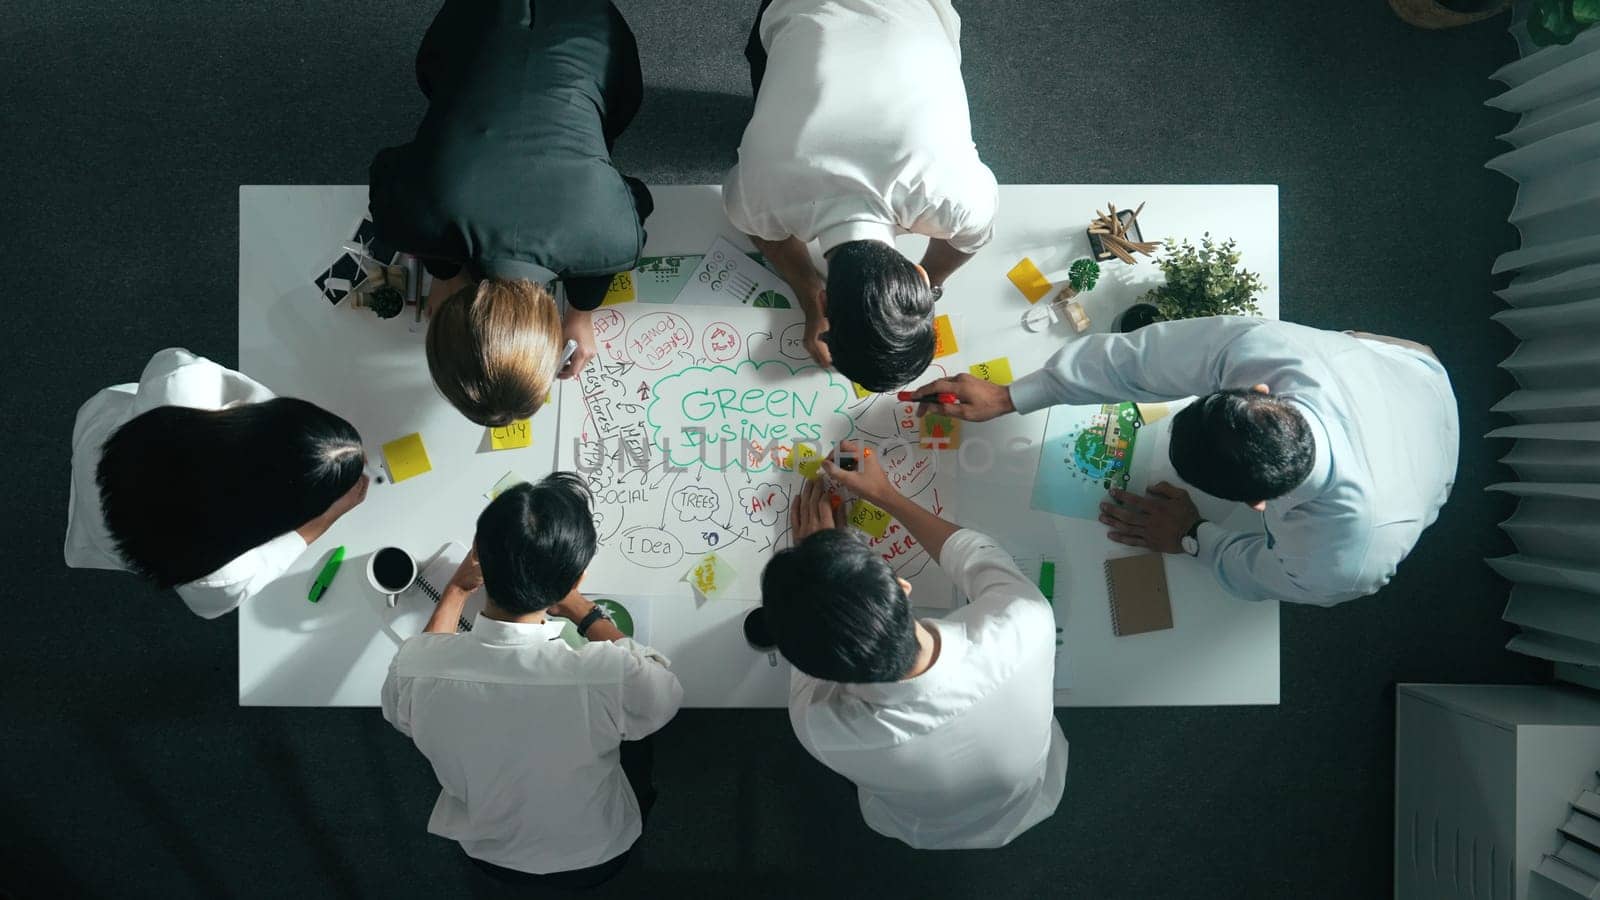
944,337
869,518
622,289
1029,280
995,371
407,458
512,436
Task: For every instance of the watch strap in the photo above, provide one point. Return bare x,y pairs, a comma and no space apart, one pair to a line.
595,615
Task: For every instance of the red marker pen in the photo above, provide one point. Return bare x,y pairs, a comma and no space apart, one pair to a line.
911,397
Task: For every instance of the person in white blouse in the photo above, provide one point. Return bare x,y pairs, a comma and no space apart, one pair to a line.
861,133
946,726
199,479
539,748
1346,443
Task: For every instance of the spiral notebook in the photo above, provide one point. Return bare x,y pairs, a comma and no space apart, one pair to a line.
1138,589
435,578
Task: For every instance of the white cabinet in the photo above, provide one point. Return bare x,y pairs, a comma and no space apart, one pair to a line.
1483,776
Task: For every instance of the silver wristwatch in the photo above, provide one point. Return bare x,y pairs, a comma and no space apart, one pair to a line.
1191,540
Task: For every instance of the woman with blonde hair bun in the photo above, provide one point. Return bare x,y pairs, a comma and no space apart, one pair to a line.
494,349
508,188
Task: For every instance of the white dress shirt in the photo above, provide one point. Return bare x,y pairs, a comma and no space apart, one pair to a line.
860,129
968,754
523,733
1383,417
173,377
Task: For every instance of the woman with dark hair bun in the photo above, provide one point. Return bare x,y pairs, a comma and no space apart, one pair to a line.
199,479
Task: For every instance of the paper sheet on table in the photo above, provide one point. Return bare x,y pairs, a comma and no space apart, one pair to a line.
1087,450
687,425
728,277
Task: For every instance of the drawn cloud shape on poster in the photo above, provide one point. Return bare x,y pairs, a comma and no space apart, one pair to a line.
710,415
764,503
696,503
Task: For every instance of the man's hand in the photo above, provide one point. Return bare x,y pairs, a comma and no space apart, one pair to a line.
813,511
468,576
573,607
816,327
980,400
579,327
792,259
867,479
1158,521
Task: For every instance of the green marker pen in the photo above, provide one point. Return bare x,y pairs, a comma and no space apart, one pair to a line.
1047,581
325,577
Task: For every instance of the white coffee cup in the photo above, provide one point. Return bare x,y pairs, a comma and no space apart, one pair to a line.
395,560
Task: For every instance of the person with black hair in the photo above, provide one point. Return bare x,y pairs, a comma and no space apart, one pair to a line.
946,726
861,133
199,479
541,749
1345,442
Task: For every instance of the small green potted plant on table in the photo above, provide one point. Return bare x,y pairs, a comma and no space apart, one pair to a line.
1201,281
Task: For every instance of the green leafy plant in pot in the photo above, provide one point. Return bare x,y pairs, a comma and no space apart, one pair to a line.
1201,281
1559,21
386,302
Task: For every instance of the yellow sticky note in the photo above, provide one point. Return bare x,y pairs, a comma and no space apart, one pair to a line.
944,337
808,460
861,392
940,432
406,457
869,518
1152,412
1029,280
506,483
622,289
995,371
710,576
510,437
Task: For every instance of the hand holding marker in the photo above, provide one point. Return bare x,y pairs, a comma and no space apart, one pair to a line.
941,397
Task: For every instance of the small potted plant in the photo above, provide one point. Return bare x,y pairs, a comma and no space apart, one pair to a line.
386,302
1082,276
1201,281
383,292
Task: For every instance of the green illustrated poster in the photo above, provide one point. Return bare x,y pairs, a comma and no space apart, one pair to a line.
1087,451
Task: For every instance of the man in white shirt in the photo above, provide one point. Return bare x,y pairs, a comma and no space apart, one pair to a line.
946,726
537,746
1345,442
861,133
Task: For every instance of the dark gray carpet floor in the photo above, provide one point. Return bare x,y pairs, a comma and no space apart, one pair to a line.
126,767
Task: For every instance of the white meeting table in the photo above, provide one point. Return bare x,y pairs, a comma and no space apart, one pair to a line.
1221,650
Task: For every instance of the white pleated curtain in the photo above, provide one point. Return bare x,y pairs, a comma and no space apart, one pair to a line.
1554,297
